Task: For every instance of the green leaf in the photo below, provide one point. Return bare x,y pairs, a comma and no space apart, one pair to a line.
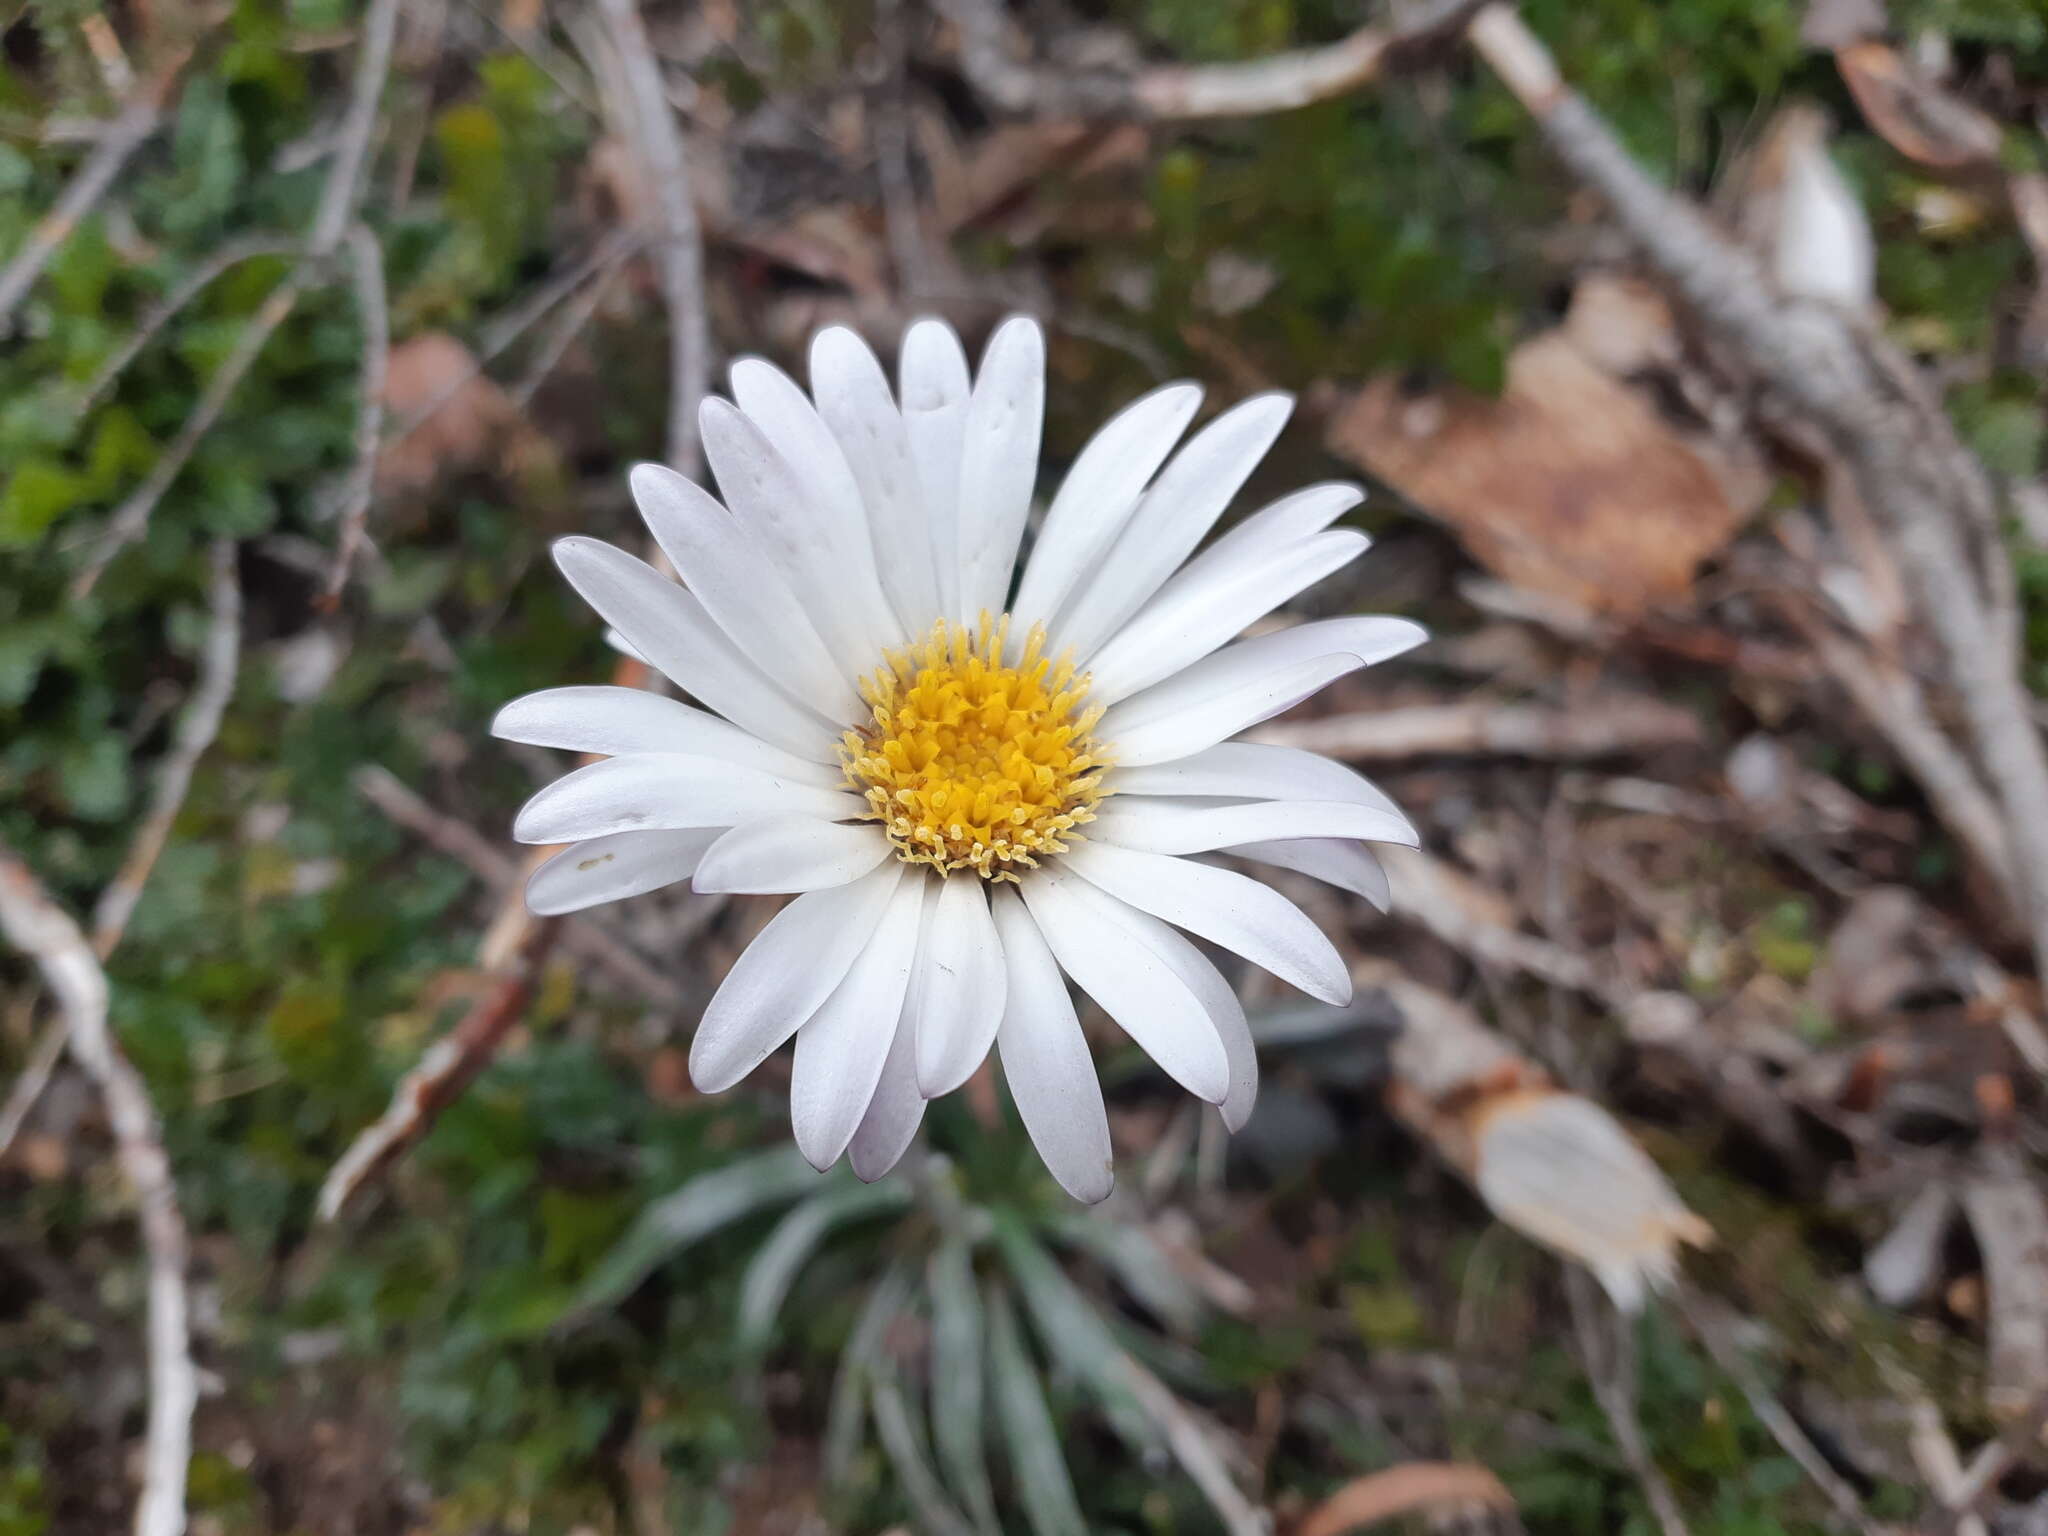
1140,1265
957,1416
796,1237
1038,1468
1075,1334
903,1441
845,1417
39,492
704,1205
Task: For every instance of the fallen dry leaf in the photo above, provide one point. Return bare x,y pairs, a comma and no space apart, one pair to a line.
1556,1167
472,417
1439,1487
1571,484
1912,113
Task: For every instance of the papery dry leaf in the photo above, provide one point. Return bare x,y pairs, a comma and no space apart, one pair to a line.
1787,201
1912,113
1571,483
1561,1169
1556,1167
1823,247
472,416
1438,1487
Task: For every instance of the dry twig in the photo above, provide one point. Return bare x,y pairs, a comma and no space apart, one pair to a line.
1598,728
1879,418
1167,92
330,223
46,934
650,128
219,659
140,118
461,842
450,1065
366,262
231,253
1612,1368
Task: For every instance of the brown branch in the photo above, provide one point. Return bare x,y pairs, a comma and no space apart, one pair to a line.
461,842
450,1065
649,126
46,934
139,119
219,659
366,262
1597,728
1830,367
1170,92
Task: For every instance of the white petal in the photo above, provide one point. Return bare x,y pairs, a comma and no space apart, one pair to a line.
1245,683
933,384
999,463
1163,826
612,868
893,1113
775,855
1182,505
671,630
956,1000
659,791
853,397
1226,908
818,540
1349,866
1046,1060
1190,619
614,721
1097,498
839,1053
742,589
1202,705
1225,1012
783,977
1100,942
791,422
1252,770
1294,517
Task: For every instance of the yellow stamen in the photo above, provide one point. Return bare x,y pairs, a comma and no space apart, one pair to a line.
971,764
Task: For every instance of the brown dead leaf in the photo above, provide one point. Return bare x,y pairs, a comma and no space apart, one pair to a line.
474,418
1444,1487
1571,483
1912,113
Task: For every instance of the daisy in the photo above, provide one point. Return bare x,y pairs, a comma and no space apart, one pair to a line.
977,783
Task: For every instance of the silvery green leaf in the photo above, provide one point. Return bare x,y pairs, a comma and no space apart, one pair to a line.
1037,1467
1077,1338
796,1237
957,1427
903,1441
1141,1265
700,1207
846,1416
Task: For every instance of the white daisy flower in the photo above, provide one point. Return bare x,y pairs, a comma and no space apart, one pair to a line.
973,795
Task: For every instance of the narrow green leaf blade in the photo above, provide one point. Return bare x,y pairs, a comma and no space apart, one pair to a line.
1037,1465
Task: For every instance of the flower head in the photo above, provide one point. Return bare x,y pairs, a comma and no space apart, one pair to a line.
976,782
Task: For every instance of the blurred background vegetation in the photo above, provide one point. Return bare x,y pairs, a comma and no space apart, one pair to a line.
486,1340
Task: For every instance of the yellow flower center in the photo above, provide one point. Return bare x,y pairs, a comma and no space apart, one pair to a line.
971,764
